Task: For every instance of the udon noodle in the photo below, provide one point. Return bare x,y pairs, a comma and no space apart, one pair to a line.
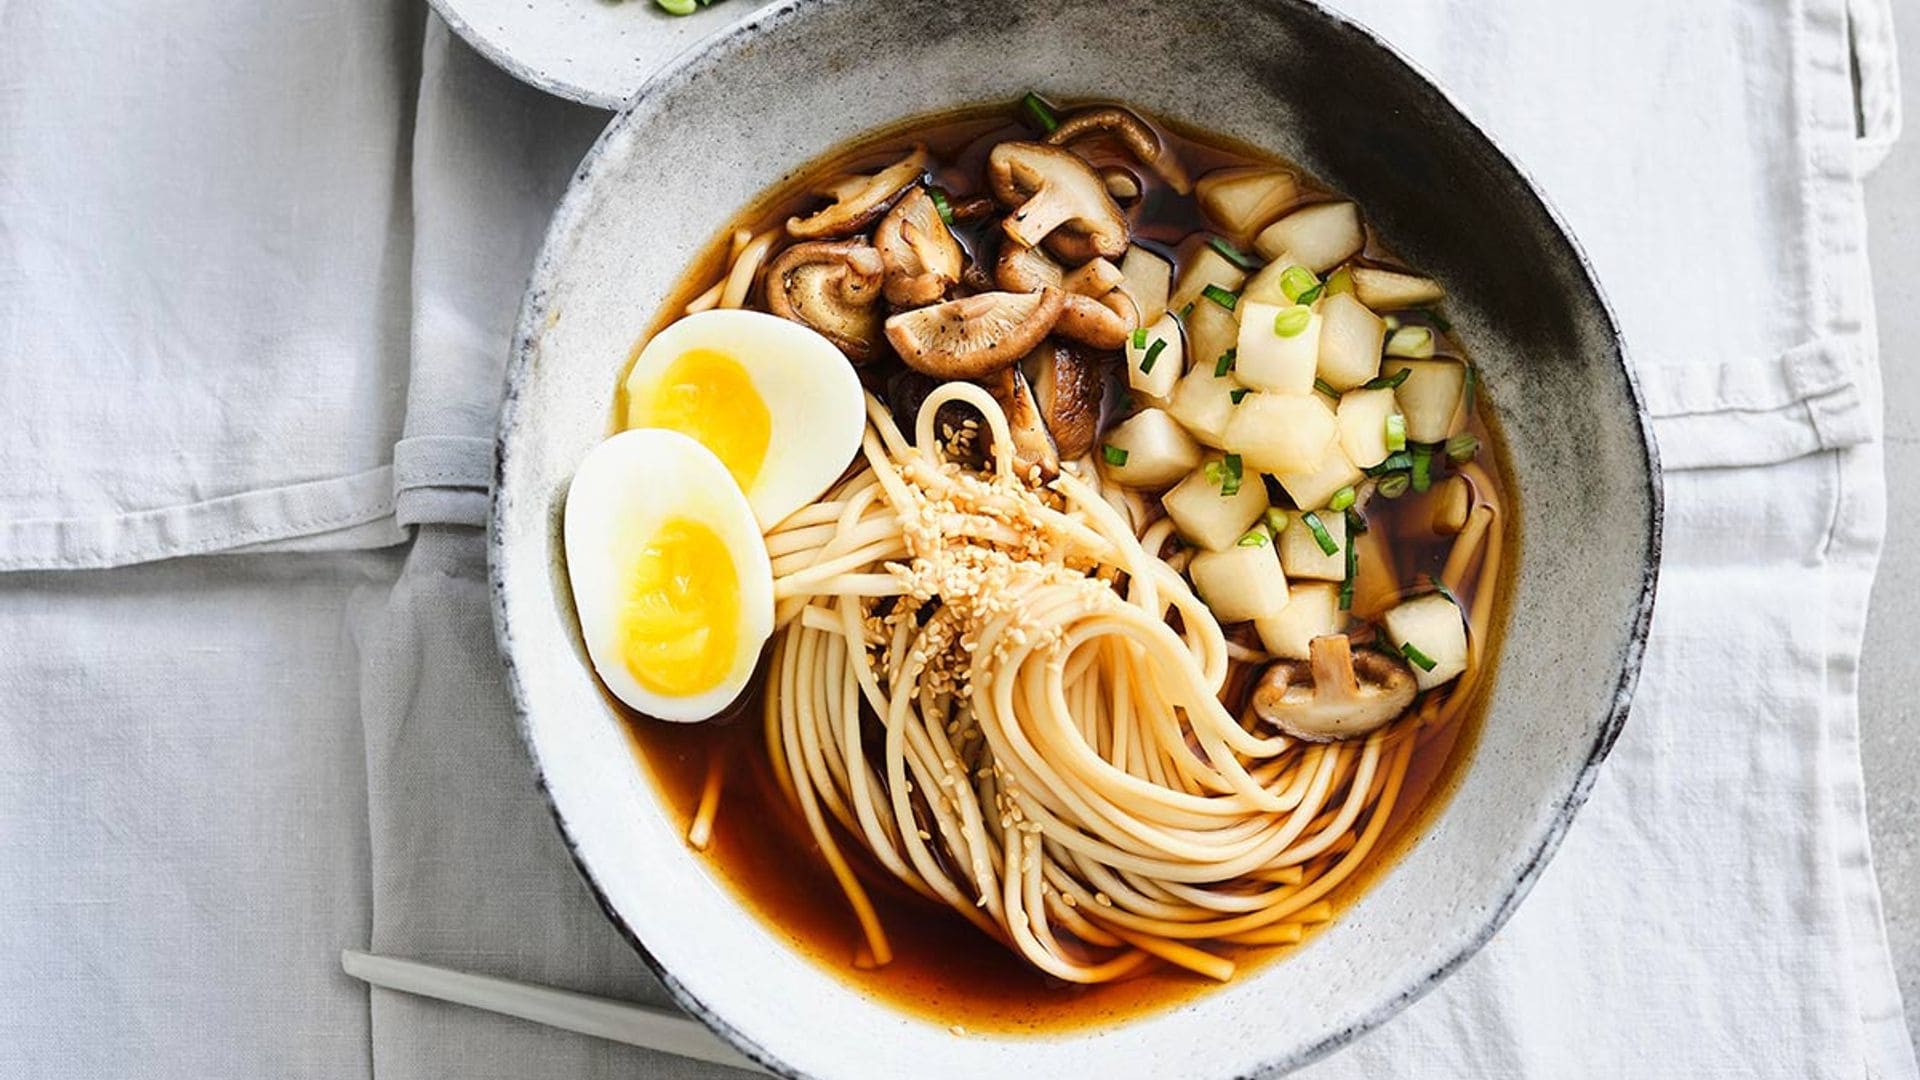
1004,691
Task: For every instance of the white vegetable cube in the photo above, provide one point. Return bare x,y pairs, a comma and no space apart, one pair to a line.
1265,287
1391,290
1319,237
1204,267
1351,338
1301,555
1280,433
1240,583
1203,403
1430,396
1314,488
1155,377
1313,610
1269,360
1210,519
1242,200
1432,625
1149,451
1362,415
1211,330
1149,279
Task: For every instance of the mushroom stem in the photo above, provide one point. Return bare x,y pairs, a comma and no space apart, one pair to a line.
1331,659
1131,130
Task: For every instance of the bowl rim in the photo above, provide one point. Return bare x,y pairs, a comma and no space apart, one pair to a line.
533,315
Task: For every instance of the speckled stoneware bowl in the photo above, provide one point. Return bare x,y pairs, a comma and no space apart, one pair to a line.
592,51
757,102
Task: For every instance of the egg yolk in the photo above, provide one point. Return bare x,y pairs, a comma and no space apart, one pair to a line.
680,621
707,395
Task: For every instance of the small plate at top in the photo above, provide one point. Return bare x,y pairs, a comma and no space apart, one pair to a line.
596,52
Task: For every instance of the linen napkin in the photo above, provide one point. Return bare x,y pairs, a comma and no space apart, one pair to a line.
1713,911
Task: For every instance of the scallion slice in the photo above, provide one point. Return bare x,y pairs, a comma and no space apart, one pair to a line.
1427,663
1412,342
1276,520
1153,355
1220,296
1236,394
1422,477
1214,472
1255,537
941,204
1398,461
1312,294
1462,447
1114,455
1393,485
1326,388
1396,431
1295,281
1340,282
1225,363
1438,320
1140,338
1230,481
1320,534
1353,569
1039,112
1341,499
1388,382
1292,321
1233,254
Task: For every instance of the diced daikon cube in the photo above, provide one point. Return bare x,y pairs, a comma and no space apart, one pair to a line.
1242,582
1203,403
1281,433
1156,378
1391,290
1313,610
1350,341
1208,518
1431,633
1312,489
1211,331
1149,279
1318,237
1269,360
1149,450
1241,201
1430,397
1362,415
1300,552
1204,267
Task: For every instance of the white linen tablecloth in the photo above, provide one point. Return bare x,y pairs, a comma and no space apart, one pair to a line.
257,272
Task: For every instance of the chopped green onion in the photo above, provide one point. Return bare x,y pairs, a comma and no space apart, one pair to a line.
1393,485
1126,401
1397,461
1353,569
1438,320
1427,663
1312,294
1295,281
1388,382
1292,321
1392,322
1237,393
1413,342
1340,282
1396,432
1233,254
941,204
1230,483
1326,388
1276,519
1220,296
1114,455
1422,468
1462,447
1140,338
1320,534
1225,363
1153,354
1186,310
1341,499
1255,537
677,7
1356,522
1473,385
1040,113
1215,472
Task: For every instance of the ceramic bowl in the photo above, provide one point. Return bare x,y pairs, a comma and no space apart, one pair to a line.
596,52
756,103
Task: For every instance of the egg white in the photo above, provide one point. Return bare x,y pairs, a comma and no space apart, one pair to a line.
813,398
624,490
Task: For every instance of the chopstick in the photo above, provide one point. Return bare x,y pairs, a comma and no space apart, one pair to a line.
605,1018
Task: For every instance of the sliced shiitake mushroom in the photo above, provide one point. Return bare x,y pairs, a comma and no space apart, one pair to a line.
974,336
921,257
1098,310
1056,197
833,287
860,200
1334,694
1067,387
1033,446
1140,140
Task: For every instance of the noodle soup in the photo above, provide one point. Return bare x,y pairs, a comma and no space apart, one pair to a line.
1153,615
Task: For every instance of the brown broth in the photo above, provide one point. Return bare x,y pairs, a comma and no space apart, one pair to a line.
944,968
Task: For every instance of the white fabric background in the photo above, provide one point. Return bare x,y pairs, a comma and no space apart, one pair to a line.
280,295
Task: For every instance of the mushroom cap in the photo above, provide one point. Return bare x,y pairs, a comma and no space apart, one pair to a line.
1140,140
1334,694
1097,310
1055,194
833,287
921,257
859,200
1033,446
1067,388
1103,323
974,336
1020,268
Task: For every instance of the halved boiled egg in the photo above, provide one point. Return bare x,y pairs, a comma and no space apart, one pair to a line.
670,574
774,400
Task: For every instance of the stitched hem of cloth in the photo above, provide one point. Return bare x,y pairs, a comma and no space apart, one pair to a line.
442,480
338,513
